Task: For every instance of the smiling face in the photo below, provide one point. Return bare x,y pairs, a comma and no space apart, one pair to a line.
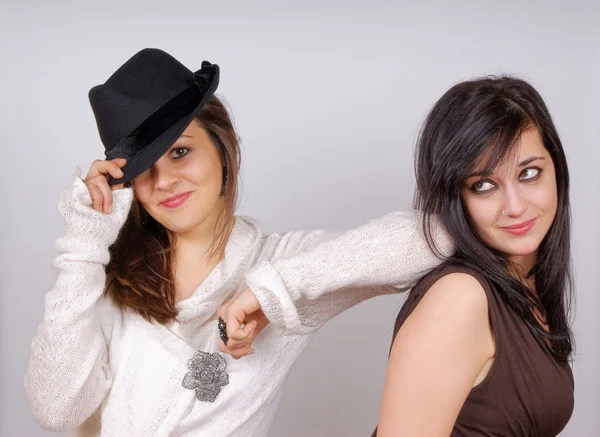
512,209
182,189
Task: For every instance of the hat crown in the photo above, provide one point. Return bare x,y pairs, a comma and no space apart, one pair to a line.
140,87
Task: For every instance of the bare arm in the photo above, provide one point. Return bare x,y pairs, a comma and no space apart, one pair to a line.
436,358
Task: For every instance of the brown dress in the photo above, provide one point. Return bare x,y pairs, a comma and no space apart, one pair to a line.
526,392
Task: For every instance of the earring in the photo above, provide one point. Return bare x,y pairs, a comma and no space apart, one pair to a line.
225,182
144,217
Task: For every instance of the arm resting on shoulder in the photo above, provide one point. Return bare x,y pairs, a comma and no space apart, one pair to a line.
318,275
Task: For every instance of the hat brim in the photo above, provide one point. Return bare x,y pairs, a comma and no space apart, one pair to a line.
156,148
152,153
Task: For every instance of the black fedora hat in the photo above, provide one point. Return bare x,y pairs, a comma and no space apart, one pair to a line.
145,106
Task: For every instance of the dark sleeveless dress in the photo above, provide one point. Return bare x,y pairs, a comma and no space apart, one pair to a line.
526,392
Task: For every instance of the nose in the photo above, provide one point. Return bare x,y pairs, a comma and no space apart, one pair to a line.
514,201
164,175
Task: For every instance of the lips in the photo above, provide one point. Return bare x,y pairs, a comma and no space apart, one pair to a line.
520,228
175,201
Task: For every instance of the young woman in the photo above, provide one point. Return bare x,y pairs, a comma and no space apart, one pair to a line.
483,343
129,342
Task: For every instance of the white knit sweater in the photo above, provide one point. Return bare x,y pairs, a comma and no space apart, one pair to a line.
108,372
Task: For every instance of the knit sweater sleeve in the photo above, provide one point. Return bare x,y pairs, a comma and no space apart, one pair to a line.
68,374
316,275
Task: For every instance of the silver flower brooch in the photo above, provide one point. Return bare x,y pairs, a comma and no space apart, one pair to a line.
206,376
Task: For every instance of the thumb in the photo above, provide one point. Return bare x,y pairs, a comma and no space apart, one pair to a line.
242,333
239,309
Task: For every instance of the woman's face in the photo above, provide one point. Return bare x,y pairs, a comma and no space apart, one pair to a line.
182,189
513,209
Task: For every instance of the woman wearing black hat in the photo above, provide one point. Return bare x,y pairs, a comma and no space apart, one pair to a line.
129,344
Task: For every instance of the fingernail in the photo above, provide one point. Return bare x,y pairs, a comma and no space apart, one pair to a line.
109,209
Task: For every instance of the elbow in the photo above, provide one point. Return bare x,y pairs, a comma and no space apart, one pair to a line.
62,397
52,420
52,412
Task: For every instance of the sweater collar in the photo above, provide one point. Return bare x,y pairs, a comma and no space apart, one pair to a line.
227,277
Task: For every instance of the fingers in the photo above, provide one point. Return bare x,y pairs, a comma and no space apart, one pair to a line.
112,168
237,328
240,348
240,310
107,202
96,195
100,191
117,173
261,322
244,320
120,162
243,335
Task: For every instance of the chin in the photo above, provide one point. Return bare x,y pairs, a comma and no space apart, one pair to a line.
521,249
187,224
182,228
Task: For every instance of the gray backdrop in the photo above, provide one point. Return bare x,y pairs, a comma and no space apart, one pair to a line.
328,97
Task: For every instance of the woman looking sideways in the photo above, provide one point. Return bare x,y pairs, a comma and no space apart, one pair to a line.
482,345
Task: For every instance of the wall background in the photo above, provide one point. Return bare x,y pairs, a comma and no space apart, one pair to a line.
328,97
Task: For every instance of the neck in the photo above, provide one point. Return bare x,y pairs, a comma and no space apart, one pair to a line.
198,241
201,237
194,257
523,265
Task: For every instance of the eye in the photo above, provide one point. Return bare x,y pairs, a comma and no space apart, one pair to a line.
482,186
530,174
179,152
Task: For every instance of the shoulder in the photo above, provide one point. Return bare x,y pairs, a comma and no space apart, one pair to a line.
437,354
459,287
449,327
451,277
247,234
451,305
249,224
459,295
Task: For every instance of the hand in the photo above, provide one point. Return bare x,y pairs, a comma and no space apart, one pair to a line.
97,184
242,309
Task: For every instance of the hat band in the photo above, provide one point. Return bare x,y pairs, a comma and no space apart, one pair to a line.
155,125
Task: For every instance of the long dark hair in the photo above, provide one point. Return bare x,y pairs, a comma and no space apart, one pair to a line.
139,275
484,118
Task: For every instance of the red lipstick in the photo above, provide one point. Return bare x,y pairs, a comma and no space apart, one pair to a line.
175,201
520,228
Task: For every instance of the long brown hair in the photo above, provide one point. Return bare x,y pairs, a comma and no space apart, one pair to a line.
139,275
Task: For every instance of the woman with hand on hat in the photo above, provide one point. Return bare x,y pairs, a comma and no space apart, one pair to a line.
129,344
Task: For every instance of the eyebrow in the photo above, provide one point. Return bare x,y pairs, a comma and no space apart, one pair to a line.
530,160
521,164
